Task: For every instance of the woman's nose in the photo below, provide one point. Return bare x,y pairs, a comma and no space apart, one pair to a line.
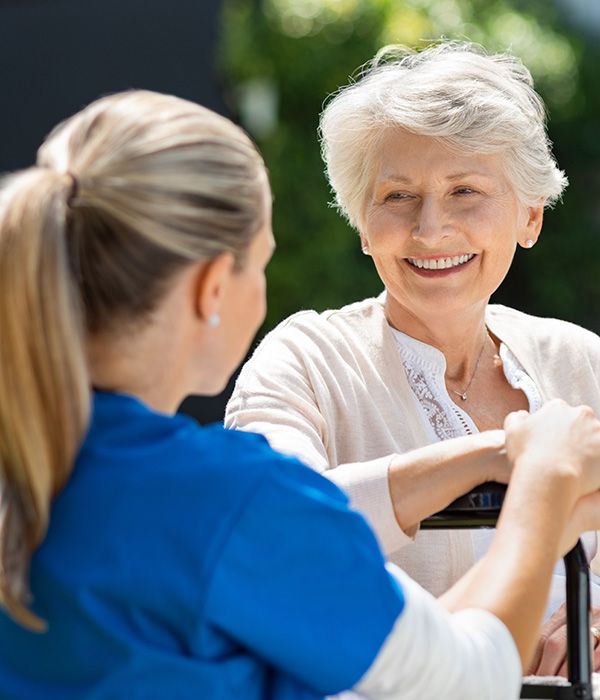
430,223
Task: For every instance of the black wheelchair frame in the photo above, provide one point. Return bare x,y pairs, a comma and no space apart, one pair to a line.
480,508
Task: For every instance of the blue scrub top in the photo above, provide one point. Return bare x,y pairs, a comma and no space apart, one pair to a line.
188,562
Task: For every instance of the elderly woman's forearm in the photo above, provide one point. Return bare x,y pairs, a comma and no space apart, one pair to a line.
426,480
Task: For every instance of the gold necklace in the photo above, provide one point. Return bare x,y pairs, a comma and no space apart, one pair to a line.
463,393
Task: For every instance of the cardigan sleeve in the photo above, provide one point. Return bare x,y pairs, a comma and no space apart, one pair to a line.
274,396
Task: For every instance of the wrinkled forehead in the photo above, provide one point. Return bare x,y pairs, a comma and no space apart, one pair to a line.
405,157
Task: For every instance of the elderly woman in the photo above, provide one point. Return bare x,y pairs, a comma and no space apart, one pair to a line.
441,161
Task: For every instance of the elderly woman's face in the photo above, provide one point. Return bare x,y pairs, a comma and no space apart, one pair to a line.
441,226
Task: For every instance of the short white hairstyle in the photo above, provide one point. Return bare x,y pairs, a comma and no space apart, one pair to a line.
472,101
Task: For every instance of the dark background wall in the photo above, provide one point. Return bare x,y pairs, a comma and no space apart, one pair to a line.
58,55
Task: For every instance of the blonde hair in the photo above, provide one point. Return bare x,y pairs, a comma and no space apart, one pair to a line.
453,91
124,194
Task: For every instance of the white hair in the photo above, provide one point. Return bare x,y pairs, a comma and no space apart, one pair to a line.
453,91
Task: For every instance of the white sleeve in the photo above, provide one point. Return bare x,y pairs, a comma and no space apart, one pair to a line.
432,654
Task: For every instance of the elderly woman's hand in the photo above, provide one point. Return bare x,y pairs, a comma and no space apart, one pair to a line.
550,658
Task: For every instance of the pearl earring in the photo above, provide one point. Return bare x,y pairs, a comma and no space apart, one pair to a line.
365,250
529,243
214,320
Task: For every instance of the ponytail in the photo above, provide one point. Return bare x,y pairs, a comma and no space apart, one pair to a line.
161,182
44,382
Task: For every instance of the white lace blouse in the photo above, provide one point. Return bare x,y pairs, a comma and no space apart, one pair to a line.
425,368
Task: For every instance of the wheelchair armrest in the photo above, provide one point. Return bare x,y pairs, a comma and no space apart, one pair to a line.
478,508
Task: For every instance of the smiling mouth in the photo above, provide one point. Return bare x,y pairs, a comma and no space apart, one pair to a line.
440,263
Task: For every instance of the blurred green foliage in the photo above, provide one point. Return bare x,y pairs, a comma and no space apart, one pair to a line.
282,58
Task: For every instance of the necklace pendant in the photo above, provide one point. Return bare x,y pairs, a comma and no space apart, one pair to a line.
463,397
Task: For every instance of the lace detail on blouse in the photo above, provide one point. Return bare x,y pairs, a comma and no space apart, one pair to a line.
435,412
425,367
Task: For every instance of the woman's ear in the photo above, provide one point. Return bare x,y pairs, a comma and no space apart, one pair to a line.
533,226
211,284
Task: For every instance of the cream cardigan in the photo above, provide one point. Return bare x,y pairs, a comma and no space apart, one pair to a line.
331,389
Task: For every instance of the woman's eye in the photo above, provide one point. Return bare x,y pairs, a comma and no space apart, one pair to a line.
397,196
464,190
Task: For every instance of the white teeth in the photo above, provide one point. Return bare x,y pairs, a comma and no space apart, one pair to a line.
440,263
